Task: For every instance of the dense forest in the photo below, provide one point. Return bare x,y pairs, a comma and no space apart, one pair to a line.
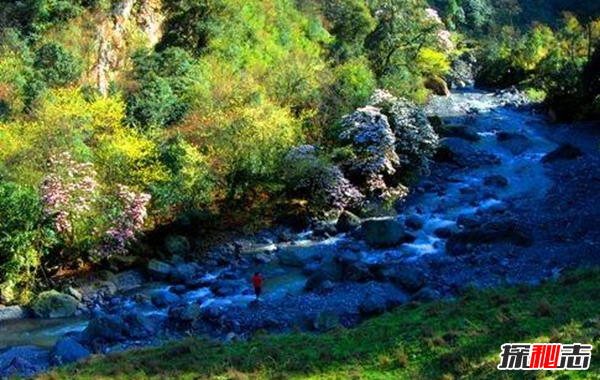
118,117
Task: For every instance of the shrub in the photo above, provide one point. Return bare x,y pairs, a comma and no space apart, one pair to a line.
416,141
56,65
312,177
24,237
354,82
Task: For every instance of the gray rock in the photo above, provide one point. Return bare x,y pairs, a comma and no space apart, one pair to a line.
322,228
24,361
358,272
459,131
185,272
163,298
224,288
347,222
177,245
52,304
73,292
311,268
460,152
374,303
493,232
301,254
129,280
564,152
105,328
8,313
382,233
68,350
159,270
408,277
185,314
139,326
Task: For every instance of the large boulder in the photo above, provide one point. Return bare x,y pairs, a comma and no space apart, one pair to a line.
459,131
410,278
185,314
224,288
68,350
383,232
347,222
177,245
23,362
493,232
139,326
564,152
52,304
11,312
159,270
164,298
105,328
300,254
185,272
459,152
437,85
374,303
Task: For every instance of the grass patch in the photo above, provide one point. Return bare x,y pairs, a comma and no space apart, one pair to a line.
458,339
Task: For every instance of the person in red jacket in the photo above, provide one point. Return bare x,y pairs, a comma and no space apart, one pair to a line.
257,281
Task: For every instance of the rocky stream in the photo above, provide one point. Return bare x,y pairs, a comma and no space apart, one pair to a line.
510,199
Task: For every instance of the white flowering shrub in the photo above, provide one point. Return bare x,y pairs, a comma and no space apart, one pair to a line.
388,137
312,177
416,141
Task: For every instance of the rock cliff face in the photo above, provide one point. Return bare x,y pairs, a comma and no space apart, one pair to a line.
129,22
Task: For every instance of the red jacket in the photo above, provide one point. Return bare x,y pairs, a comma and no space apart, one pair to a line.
257,281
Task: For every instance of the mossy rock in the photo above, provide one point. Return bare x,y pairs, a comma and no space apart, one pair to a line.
53,304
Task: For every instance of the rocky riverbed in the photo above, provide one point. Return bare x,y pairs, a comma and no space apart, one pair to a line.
510,199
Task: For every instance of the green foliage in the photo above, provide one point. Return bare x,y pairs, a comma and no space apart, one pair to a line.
56,65
351,22
558,62
24,236
457,339
205,118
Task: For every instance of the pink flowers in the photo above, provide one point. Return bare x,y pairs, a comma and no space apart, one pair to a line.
129,220
444,37
68,190
71,197
433,16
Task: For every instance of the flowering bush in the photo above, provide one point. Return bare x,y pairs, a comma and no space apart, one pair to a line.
70,196
416,141
68,191
369,133
312,177
127,220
